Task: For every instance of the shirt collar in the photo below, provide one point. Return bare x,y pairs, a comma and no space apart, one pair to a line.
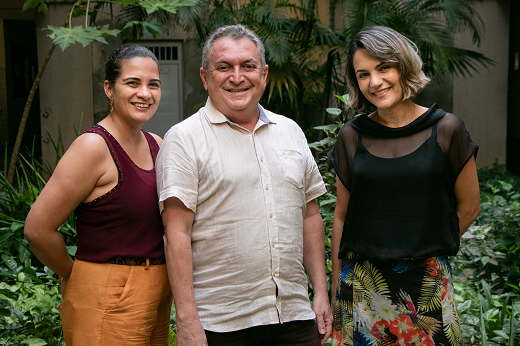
216,117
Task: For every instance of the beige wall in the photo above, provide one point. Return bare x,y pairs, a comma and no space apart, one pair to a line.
66,85
73,81
481,100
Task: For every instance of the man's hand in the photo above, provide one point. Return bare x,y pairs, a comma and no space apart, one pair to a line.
321,307
191,333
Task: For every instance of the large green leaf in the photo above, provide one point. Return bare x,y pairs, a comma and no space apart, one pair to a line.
167,5
10,263
64,37
152,27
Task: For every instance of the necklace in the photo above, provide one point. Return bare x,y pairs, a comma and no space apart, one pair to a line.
412,118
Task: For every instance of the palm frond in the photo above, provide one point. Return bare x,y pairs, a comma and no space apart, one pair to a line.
370,280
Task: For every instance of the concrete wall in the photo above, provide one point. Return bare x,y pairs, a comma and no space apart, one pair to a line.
73,81
66,85
481,100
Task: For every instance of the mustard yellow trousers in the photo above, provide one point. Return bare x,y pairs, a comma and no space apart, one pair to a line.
116,305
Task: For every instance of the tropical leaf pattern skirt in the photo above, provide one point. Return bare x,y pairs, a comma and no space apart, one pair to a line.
402,302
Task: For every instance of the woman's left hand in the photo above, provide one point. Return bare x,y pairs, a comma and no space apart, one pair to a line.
63,284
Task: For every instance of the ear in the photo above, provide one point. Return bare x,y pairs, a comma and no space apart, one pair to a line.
108,89
266,70
204,76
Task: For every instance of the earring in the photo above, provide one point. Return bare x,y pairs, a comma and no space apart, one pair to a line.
110,104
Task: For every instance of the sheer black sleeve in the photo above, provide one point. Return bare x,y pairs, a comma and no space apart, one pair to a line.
456,143
342,154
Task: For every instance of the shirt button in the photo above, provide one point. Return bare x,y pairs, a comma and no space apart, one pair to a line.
261,160
273,244
267,187
271,216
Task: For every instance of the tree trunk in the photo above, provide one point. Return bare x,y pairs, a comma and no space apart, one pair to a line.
309,21
23,122
329,68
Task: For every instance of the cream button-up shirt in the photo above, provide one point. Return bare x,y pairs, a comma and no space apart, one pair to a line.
248,192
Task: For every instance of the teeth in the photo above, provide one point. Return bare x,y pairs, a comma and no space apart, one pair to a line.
380,92
237,91
142,105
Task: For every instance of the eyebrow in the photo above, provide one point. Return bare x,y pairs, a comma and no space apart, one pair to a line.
378,65
221,61
138,79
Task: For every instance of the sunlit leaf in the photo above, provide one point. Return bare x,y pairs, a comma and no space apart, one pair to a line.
334,111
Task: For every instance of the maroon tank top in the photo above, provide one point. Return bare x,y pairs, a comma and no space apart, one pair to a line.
126,220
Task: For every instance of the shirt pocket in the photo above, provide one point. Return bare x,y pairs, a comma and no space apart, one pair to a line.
292,164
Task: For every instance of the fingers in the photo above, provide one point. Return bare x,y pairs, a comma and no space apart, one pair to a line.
321,324
59,306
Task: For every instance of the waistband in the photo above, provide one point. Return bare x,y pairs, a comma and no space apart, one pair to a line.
137,261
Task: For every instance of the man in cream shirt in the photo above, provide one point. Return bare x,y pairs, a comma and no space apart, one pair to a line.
237,186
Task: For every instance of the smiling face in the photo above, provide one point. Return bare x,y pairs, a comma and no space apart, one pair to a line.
235,79
378,81
137,91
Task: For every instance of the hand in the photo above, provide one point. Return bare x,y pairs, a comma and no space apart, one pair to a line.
63,283
321,307
191,333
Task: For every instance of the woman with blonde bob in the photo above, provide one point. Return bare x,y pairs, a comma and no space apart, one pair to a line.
407,189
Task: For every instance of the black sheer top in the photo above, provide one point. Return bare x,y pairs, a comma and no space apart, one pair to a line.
401,183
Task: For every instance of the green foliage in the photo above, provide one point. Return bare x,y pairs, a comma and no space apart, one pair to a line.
64,37
28,290
490,250
28,314
167,5
430,24
40,5
486,318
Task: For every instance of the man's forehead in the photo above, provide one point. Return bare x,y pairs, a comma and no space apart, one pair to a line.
226,48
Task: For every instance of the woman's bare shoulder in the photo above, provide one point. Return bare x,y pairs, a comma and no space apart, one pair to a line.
157,138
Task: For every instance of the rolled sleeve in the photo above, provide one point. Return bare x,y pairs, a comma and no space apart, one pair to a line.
176,168
314,185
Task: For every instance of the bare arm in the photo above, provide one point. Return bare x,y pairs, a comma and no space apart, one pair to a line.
467,194
178,221
314,262
78,173
343,196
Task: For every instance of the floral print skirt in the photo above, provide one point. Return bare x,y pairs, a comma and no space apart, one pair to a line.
401,302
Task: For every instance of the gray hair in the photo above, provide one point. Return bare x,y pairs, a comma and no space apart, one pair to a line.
389,46
235,32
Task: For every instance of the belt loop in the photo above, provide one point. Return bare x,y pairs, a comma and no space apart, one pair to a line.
147,263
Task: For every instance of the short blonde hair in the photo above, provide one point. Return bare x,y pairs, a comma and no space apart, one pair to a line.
386,45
